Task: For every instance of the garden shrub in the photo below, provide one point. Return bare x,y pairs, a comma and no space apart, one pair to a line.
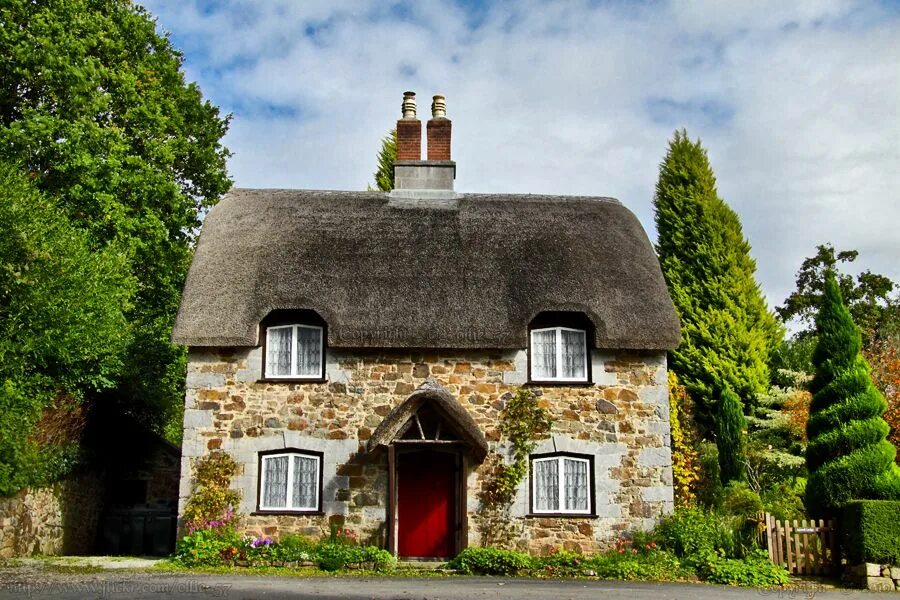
730,426
490,561
295,548
709,487
692,533
631,564
784,500
210,547
870,531
754,570
561,563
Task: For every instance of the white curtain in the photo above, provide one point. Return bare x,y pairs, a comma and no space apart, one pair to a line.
543,363
573,354
306,482
309,356
278,351
576,484
276,473
546,482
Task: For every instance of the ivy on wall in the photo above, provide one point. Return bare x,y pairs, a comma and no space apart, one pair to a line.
522,423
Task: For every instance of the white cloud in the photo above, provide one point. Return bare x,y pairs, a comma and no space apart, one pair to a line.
801,122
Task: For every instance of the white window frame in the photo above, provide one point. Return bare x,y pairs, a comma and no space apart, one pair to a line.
559,347
561,486
294,337
289,498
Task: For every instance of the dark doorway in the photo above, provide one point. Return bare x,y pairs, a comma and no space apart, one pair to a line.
426,497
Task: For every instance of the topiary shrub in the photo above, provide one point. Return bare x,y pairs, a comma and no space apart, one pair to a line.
870,531
490,561
848,455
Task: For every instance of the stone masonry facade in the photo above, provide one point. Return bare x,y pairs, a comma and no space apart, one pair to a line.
621,419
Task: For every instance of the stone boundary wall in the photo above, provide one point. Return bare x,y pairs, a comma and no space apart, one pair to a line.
622,419
60,519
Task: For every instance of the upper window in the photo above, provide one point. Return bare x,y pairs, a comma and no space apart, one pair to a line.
559,354
290,481
294,351
562,484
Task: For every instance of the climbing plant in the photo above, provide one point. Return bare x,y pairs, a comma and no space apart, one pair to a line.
523,423
212,502
685,460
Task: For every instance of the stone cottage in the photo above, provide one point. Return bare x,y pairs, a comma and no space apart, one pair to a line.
353,352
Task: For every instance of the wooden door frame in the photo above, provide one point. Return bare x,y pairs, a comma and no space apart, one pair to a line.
459,511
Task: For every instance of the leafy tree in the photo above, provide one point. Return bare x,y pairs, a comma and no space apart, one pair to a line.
867,295
883,356
62,328
94,104
727,330
384,176
730,428
848,456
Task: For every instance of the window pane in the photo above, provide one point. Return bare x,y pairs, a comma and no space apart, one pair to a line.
546,484
306,482
278,351
573,353
275,492
543,363
576,484
309,344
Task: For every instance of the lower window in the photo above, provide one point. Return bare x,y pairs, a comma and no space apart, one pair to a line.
562,484
290,481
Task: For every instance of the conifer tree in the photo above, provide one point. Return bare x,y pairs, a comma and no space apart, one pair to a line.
730,426
384,176
727,330
848,455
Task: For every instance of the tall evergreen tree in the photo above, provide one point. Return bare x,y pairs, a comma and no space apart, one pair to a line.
384,176
848,455
730,427
727,330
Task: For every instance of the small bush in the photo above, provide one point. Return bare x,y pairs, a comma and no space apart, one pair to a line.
294,548
560,563
692,532
870,531
709,486
490,561
381,559
754,570
784,500
210,547
630,564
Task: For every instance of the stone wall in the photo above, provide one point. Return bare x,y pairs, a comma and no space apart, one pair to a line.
621,419
59,519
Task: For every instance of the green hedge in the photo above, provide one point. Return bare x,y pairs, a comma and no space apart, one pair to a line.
870,531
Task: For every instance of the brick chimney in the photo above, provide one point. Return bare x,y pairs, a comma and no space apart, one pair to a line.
409,130
414,177
439,131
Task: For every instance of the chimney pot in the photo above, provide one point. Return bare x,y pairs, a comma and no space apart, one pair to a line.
438,107
409,105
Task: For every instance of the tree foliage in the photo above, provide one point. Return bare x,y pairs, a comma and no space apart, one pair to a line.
384,176
867,296
62,329
883,356
727,330
95,107
848,456
730,430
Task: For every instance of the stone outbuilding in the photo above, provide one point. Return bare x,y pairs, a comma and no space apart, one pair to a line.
353,352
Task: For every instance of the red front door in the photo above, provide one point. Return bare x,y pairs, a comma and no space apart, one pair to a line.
425,499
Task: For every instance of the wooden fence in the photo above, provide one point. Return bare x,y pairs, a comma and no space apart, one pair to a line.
807,547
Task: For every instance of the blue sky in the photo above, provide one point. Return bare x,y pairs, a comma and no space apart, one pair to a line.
798,104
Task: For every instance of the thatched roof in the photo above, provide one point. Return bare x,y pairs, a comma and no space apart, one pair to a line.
445,404
465,272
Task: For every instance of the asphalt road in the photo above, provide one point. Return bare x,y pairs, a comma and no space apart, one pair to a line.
138,586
